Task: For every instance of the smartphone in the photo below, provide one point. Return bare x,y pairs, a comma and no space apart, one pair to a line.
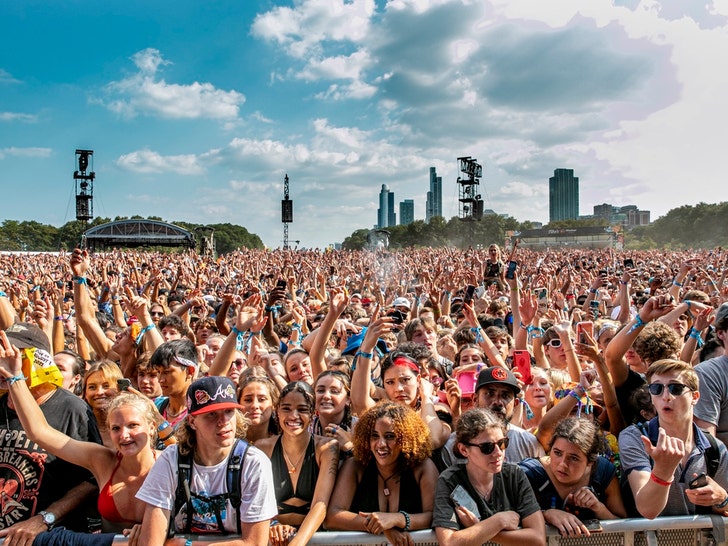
593,525
522,364
123,384
398,317
542,295
469,293
698,481
629,263
460,497
281,284
582,328
511,271
594,309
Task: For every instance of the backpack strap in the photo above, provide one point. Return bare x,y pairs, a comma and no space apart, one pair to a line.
234,472
182,494
712,454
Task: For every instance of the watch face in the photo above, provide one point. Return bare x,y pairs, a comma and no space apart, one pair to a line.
48,518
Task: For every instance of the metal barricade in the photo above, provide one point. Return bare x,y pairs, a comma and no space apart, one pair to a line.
668,531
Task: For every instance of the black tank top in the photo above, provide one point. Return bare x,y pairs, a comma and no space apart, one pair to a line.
306,484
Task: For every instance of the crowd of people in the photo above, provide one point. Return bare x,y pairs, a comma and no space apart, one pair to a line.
270,395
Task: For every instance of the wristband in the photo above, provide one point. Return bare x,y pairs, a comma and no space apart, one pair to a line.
80,280
59,318
638,323
3,294
624,283
143,331
523,326
11,380
675,283
363,355
695,334
660,481
188,542
407,521
593,290
723,504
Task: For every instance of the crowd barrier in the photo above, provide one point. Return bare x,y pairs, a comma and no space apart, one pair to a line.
673,531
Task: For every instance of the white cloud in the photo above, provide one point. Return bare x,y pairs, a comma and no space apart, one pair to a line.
146,93
18,116
6,77
147,161
14,151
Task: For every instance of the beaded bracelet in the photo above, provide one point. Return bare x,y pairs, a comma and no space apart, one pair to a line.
406,520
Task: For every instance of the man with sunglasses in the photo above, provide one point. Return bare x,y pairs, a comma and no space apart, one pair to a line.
662,459
496,390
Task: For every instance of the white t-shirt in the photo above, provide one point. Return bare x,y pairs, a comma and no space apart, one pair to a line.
257,491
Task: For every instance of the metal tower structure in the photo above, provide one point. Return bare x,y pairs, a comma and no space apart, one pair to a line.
286,212
471,204
84,185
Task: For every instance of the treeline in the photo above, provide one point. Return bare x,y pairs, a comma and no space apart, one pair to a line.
700,226
32,236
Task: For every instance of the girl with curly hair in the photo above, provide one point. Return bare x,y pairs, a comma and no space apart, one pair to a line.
387,487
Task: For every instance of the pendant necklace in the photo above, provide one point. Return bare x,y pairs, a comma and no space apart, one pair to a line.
386,491
292,467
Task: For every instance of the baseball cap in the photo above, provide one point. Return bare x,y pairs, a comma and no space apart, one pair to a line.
211,393
496,375
404,302
353,343
24,335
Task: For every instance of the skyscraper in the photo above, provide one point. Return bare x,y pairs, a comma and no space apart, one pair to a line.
386,216
406,212
434,196
563,195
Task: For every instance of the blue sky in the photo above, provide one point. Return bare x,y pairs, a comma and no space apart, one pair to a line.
196,110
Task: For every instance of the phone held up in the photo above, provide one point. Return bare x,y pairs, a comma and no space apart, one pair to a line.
699,481
583,328
522,364
511,271
123,384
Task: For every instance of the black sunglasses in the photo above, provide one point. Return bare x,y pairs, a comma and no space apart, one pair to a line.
486,448
675,389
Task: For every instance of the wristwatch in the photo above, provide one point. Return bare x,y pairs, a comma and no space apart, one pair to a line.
48,518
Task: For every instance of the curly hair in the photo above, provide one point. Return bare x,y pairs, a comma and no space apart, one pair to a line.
187,437
412,434
584,434
657,341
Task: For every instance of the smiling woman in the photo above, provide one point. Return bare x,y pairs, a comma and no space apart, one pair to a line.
304,467
376,491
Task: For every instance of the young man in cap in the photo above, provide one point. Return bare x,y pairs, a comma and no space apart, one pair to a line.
496,390
38,489
210,432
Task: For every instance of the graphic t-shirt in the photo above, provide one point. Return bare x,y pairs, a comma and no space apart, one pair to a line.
30,478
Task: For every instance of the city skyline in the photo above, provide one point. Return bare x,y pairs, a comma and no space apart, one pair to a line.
196,111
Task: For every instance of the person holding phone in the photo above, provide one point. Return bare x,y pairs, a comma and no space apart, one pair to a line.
663,457
485,499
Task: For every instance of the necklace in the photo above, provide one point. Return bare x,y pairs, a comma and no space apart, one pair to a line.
292,467
386,491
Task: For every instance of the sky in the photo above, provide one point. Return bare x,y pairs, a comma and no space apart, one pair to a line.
196,111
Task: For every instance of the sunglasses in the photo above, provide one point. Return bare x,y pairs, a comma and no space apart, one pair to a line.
239,362
675,389
486,448
157,313
555,343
